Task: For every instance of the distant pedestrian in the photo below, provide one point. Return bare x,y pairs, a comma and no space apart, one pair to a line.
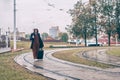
36,42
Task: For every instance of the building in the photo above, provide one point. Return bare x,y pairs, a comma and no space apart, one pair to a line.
19,35
54,32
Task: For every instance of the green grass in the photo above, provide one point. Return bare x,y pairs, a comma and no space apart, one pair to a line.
26,44
114,51
9,70
70,55
21,44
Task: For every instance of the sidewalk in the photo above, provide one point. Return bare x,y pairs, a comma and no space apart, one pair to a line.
63,70
3,50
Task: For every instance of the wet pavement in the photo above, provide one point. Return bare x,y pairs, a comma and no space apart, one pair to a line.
101,56
3,50
64,70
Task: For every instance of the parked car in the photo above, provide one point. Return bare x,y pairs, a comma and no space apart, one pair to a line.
73,41
94,44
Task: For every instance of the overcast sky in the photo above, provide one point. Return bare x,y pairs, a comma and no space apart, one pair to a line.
41,14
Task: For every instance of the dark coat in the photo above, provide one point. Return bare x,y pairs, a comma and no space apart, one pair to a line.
32,41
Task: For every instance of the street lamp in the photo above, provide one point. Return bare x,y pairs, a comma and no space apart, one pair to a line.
14,24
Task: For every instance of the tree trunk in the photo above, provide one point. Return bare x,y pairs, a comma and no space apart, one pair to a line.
85,38
76,41
109,35
118,32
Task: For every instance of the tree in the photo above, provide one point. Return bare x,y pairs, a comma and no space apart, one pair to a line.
117,15
94,6
106,10
82,23
87,19
44,35
64,37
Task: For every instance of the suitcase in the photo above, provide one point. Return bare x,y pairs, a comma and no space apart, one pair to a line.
40,54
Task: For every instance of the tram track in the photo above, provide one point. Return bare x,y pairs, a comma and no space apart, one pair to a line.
81,69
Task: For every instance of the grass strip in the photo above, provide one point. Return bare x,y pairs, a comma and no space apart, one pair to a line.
9,70
114,51
70,55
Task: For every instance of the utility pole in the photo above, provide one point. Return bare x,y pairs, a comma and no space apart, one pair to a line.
0,31
14,24
0,34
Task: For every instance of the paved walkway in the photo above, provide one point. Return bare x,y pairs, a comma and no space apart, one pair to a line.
63,70
3,50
